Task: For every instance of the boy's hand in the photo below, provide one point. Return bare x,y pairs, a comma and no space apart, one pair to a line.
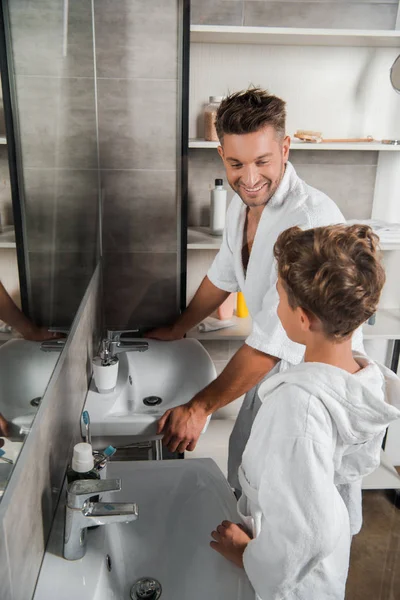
231,541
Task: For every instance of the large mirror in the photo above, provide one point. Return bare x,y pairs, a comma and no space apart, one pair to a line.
49,199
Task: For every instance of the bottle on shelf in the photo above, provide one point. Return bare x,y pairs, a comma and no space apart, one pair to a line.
210,113
241,307
82,465
226,309
218,208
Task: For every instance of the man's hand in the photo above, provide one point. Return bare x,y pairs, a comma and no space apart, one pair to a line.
4,426
231,541
165,334
182,427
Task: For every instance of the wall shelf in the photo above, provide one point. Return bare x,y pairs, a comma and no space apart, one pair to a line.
387,327
298,145
7,237
200,238
293,36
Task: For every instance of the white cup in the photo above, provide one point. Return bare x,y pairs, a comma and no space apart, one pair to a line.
105,377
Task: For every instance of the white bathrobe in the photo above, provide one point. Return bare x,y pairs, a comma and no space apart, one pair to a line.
318,428
294,203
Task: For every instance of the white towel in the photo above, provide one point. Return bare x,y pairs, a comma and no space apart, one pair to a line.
211,324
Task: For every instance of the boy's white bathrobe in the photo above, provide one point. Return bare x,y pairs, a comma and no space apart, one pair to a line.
318,428
294,203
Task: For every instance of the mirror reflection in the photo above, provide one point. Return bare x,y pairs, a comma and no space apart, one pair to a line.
48,203
395,75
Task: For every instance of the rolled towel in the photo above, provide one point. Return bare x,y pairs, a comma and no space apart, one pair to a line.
211,324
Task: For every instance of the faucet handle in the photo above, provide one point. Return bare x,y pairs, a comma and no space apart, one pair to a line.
83,489
114,335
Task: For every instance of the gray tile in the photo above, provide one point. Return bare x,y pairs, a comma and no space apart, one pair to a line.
140,211
57,122
125,34
40,209
140,289
6,591
137,124
216,12
6,216
37,30
351,187
40,277
359,15
77,210
218,350
70,278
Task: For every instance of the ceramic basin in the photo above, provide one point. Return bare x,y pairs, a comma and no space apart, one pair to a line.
24,374
180,503
172,371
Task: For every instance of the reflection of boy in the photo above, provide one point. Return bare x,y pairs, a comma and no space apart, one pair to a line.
321,424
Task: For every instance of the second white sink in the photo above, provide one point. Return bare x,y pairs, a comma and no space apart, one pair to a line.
172,372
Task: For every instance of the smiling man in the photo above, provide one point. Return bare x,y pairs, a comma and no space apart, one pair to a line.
269,198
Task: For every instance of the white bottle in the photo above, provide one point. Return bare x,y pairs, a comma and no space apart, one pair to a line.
218,208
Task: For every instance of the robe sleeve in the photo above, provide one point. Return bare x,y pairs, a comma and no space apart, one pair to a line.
299,516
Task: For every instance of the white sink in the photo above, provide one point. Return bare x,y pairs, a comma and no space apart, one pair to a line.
180,502
25,371
173,371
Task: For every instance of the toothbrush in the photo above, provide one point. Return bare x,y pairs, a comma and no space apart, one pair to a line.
7,460
104,456
86,421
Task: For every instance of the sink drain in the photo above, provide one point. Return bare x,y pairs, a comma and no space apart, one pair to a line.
146,588
36,401
152,400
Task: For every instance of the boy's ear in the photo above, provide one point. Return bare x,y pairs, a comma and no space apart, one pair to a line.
305,320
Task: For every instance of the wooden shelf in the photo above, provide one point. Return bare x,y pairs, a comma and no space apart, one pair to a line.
387,327
199,238
293,36
299,145
7,237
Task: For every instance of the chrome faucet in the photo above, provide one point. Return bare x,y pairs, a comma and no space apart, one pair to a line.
80,513
113,344
53,345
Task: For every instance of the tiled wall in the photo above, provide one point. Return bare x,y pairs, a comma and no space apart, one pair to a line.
53,68
352,14
27,507
137,54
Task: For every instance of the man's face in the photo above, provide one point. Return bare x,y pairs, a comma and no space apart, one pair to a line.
255,163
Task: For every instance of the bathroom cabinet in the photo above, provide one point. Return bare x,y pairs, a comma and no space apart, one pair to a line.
335,81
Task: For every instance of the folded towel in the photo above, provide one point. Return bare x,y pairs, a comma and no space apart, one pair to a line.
211,324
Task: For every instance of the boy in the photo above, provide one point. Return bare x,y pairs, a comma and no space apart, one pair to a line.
321,424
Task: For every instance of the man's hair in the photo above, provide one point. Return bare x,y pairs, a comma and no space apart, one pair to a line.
249,111
333,273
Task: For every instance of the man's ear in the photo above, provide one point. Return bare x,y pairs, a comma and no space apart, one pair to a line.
221,152
286,148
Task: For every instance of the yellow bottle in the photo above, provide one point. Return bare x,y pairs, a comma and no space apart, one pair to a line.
241,307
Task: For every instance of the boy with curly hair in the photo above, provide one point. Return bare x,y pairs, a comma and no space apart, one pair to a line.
320,427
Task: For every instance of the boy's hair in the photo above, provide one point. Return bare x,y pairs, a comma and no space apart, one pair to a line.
249,111
333,273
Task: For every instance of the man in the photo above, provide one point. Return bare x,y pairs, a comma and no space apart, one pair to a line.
269,198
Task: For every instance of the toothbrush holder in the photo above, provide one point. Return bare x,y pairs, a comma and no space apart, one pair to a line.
105,376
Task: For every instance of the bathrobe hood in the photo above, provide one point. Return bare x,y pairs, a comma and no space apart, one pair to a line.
361,406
